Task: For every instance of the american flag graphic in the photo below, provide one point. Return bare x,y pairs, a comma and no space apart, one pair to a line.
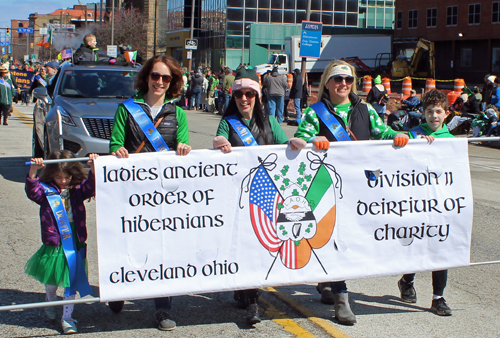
264,200
66,53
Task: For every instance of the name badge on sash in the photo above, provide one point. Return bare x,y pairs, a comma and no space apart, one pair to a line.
147,126
330,122
242,131
77,274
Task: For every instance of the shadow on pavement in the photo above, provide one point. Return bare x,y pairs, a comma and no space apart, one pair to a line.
14,168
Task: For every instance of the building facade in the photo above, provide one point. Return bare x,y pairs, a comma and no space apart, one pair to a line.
223,27
466,35
20,43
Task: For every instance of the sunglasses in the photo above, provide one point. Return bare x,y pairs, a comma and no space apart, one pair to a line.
239,94
156,76
348,79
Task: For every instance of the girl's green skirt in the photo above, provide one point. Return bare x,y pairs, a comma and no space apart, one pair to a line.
49,265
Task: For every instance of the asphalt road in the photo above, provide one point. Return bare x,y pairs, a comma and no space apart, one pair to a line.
472,292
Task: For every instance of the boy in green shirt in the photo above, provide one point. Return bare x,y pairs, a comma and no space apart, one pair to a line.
435,104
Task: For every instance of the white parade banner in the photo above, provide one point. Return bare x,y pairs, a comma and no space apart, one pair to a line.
267,216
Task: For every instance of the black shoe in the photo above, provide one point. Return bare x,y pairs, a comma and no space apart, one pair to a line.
408,293
116,306
440,308
165,322
252,316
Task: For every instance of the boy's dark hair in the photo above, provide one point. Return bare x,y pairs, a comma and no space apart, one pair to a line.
435,97
73,169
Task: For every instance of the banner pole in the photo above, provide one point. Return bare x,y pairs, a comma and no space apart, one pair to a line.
46,304
78,159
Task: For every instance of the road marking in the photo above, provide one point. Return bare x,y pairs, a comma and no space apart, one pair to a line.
484,166
326,325
282,319
24,118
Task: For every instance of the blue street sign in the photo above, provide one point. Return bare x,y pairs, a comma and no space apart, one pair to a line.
4,43
25,30
310,42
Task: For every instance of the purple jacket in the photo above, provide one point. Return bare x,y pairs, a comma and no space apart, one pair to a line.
50,232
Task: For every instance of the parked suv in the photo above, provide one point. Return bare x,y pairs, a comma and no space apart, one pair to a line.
76,110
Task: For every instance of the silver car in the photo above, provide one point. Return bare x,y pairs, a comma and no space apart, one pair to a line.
75,111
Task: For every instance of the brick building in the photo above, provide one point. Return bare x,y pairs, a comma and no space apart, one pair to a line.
19,42
466,35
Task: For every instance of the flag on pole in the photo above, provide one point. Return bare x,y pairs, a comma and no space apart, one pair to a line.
47,40
130,56
66,54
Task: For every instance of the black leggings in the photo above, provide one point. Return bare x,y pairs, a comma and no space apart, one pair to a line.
439,279
247,297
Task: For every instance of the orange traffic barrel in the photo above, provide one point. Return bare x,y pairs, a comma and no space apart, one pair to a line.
407,85
260,80
430,84
459,85
453,96
367,83
386,82
289,78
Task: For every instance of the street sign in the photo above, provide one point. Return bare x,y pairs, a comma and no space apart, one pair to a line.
310,42
191,44
112,50
4,43
25,30
189,55
44,31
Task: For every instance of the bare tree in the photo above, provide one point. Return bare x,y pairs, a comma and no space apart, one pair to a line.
129,30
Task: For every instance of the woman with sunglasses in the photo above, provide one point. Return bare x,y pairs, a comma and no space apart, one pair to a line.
245,112
158,83
353,120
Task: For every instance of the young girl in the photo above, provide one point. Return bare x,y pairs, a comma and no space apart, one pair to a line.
60,191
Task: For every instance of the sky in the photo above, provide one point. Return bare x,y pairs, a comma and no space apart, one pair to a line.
21,9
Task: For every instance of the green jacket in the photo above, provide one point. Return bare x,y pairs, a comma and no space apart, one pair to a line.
118,135
6,92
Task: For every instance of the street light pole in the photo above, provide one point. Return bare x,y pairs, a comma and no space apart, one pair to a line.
113,22
243,35
191,35
304,60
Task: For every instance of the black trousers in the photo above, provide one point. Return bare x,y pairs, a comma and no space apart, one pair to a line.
439,279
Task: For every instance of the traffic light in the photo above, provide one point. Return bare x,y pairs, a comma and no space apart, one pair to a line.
8,32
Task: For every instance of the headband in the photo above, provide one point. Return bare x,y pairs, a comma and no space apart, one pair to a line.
246,82
340,70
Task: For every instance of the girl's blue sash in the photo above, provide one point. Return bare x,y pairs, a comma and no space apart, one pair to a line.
242,131
330,122
5,83
77,275
417,131
147,126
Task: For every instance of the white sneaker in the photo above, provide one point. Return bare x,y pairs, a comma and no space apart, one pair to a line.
69,326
